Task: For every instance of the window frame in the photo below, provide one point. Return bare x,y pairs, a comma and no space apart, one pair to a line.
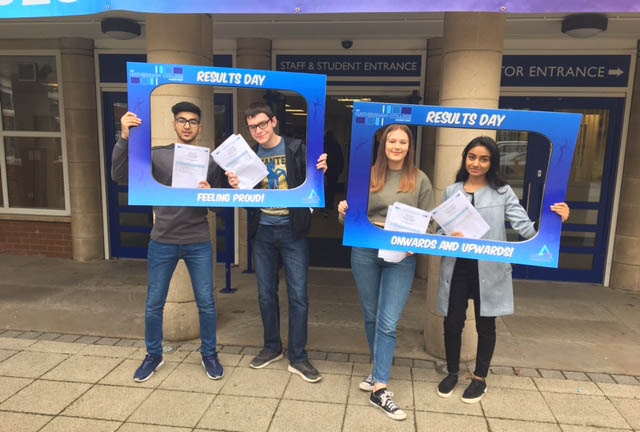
60,135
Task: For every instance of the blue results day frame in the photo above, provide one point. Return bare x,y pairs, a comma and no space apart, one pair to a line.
144,78
561,129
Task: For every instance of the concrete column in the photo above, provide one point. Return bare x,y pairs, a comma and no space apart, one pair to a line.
471,65
251,53
625,272
83,156
428,153
180,39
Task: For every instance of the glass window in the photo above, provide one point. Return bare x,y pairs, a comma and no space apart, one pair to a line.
34,172
29,93
31,157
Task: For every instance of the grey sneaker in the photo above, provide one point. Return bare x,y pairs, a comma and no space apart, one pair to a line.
265,358
475,391
366,384
306,371
382,399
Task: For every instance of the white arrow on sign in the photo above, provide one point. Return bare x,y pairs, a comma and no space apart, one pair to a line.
617,71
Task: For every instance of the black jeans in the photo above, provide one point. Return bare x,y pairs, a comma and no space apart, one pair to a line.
465,285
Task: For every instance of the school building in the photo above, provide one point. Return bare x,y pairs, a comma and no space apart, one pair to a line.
63,89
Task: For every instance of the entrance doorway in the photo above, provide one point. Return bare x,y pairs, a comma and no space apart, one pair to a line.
524,161
325,238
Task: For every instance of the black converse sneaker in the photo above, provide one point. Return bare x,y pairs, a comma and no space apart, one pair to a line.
475,391
382,399
446,386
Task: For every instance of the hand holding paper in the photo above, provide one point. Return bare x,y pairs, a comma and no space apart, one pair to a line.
235,155
457,215
403,218
190,166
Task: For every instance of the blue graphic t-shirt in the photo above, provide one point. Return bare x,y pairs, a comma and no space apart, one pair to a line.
276,162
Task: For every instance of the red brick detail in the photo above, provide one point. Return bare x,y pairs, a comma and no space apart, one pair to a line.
31,238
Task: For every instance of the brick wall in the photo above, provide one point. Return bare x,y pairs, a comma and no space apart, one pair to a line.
33,238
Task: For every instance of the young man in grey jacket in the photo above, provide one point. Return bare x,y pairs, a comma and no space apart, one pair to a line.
177,233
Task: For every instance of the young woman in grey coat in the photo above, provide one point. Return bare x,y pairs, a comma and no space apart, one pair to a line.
488,283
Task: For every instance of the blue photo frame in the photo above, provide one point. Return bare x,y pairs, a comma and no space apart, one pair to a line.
144,78
561,129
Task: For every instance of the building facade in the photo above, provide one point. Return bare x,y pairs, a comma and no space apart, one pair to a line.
63,90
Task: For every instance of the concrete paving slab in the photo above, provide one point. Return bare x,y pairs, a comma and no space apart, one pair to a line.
573,428
601,377
332,388
10,343
44,397
172,408
566,386
19,422
10,386
626,379
49,336
56,347
5,354
585,410
511,382
432,421
502,425
427,399
239,413
108,402
630,410
331,367
516,405
79,368
122,375
68,338
576,376
426,374
265,382
307,416
29,364
620,390
193,377
135,427
230,360
552,374
401,372
368,418
72,424
108,351
29,335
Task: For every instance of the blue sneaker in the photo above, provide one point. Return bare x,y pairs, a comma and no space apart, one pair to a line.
212,366
149,365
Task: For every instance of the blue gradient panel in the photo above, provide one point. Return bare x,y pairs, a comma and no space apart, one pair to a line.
144,78
561,129
53,8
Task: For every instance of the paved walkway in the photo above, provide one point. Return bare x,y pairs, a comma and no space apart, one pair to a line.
568,360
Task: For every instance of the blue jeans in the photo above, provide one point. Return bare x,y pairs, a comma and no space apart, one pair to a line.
162,260
274,245
384,289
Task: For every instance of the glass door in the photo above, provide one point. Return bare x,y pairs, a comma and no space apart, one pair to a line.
129,226
524,161
325,238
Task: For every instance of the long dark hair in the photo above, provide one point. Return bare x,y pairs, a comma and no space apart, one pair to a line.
380,168
494,178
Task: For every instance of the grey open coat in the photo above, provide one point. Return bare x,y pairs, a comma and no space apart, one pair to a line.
496,286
